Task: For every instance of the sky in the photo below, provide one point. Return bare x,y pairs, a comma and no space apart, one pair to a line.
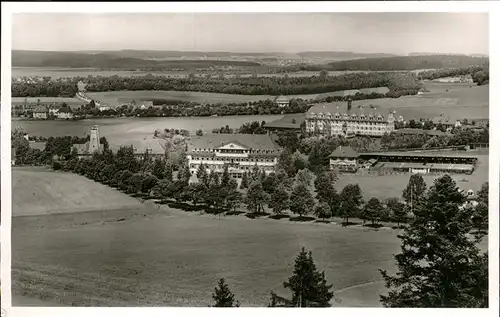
397,33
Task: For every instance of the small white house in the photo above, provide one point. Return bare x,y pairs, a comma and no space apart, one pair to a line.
65,113
40,112
282,101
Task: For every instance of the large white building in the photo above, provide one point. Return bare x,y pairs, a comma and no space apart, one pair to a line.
339,118
241,152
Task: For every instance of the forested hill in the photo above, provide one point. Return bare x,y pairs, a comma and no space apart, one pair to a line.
408,63
110,60
342,55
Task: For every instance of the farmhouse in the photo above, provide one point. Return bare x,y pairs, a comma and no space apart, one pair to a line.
446,122
329,119
53,109
240,152
344,159
282,101
40,112
65,113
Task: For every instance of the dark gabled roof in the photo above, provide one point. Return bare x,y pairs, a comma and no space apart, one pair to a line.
281,98
344,152
65,110
251,141
40,108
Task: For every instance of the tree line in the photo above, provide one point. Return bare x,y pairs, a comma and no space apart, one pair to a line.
408,63
67,87
454,72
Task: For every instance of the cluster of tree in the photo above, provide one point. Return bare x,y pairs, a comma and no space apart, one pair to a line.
357,96
439,264
459,136
192,109
453,72
244,85
408,63
169,133
319,149
481,77
60,147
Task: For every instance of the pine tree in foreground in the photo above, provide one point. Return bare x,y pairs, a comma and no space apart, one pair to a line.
308,285
440,264
223,296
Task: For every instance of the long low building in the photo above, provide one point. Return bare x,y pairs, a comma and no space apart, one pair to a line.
421,157
424,168
240,152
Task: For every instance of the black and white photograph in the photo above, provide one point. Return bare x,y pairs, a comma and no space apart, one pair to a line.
217,159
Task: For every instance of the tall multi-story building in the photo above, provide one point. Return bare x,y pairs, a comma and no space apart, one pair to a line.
240,152
330,119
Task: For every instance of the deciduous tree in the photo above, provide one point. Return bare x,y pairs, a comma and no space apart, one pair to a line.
372,210
323,211
301,200
351,201
256,198
279,200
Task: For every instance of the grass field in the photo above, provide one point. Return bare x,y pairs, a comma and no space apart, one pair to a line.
40,191
387,186
114,98
456,101
175,260
48,100
163,257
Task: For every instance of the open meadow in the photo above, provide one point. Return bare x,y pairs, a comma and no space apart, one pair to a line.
144,256
40,191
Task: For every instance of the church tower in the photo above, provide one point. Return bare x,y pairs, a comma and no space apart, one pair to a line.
349,103
95,143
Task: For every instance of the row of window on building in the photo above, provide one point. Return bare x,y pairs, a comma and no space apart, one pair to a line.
236,159
242,167
234,151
